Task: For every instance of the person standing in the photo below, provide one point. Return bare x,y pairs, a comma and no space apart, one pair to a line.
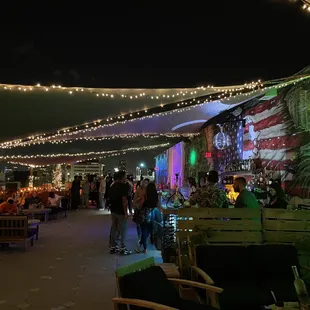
75,193
245,198
85,192
108,181
94,192
101,192
119,213
150,203
138,201
130,187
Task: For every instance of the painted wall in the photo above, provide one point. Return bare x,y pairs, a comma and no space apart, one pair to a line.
195,159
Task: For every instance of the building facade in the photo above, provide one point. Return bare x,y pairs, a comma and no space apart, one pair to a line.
83,169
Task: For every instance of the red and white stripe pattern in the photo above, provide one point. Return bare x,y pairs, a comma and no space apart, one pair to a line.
267,137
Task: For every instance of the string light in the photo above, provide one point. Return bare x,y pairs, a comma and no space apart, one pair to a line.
129,94
108,122
175,107
96,139
306,5
88,154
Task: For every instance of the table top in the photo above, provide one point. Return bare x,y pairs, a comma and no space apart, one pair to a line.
41,210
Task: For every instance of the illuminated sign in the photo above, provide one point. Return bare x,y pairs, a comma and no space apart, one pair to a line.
208,155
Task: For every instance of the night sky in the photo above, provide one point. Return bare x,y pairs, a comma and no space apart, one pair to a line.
148,44
152,44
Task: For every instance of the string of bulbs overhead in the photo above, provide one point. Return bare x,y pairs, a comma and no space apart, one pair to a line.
87,154
153,94
306,5
163,109
98,139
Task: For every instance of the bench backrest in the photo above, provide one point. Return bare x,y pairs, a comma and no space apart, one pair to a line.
235,226
13,227
287,226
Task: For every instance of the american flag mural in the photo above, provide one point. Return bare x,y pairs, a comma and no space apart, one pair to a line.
271,136
268,137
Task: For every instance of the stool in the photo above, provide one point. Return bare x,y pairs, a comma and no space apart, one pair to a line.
171,270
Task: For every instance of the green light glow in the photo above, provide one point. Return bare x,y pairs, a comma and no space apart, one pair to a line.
193,157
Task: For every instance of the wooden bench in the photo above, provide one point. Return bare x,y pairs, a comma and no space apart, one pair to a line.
242,227
289,227
215,226
14,229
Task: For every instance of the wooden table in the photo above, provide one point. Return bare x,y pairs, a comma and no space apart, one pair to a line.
43,211
34,224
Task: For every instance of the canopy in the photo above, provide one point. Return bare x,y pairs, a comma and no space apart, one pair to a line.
61,124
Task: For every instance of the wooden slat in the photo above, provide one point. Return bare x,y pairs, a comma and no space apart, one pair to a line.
287,214
12,228
219,213
286,237
284,225
220,224
233,236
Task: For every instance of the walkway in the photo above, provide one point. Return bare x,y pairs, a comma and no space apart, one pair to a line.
69,267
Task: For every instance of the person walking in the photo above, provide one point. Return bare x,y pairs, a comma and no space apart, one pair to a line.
119,213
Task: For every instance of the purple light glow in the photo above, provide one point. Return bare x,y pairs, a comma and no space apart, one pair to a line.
176,164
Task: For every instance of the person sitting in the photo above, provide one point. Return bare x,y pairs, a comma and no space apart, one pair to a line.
53,202
277,197
8,207
33,201
245,199
209,196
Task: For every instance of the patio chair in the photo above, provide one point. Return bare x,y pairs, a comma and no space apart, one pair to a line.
145,285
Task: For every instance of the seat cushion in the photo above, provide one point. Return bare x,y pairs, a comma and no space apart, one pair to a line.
240,296
271,266
150,284
222,263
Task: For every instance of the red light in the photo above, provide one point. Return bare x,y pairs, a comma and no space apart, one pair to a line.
208,155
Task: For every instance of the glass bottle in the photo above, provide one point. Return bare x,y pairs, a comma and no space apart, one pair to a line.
301,290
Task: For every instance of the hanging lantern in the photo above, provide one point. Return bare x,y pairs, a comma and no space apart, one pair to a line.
221,140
